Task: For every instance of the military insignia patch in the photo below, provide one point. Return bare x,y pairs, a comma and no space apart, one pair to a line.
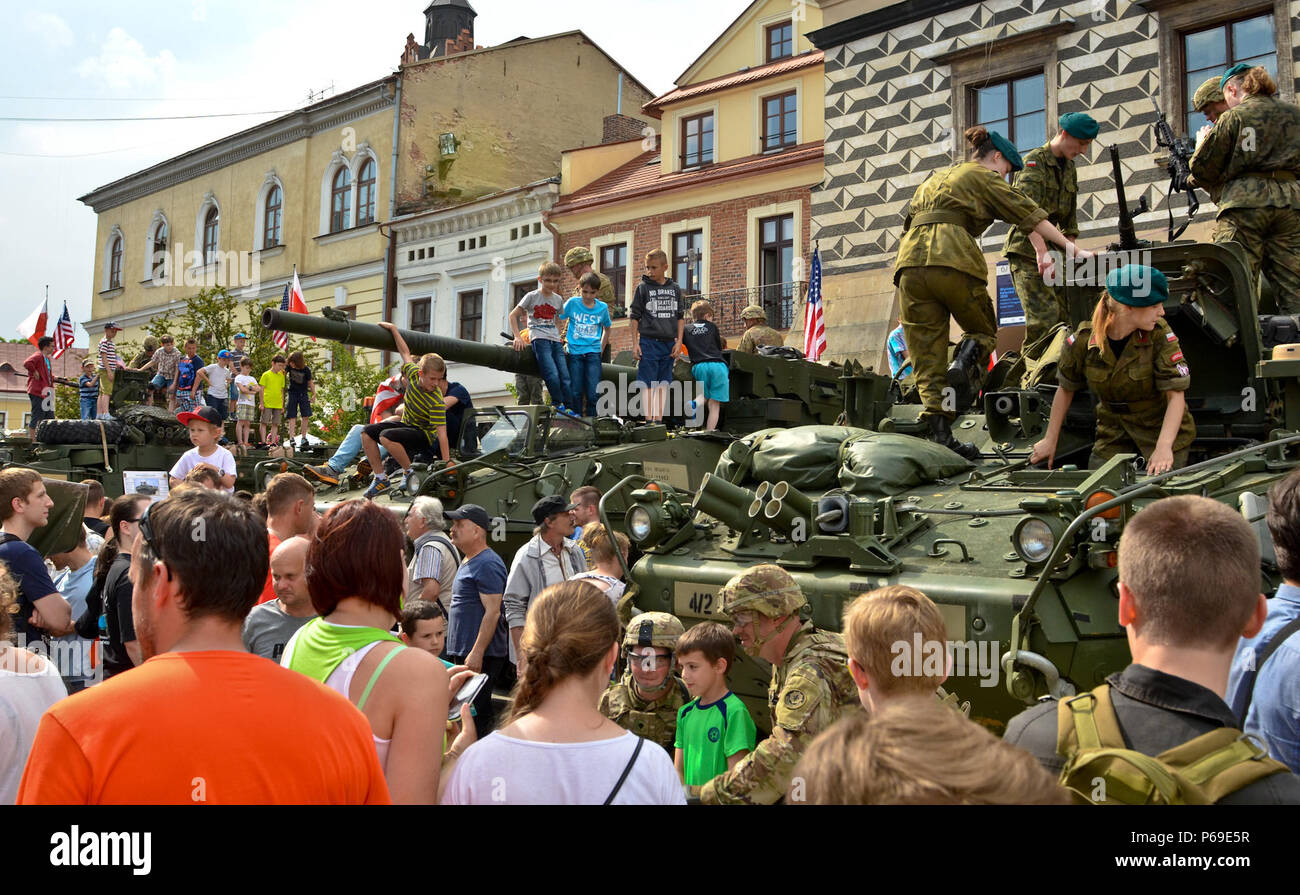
1182,369
1031,164
1178,355
794,699
1170,337
1069,340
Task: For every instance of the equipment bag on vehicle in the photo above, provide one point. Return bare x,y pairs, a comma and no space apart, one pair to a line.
1100,769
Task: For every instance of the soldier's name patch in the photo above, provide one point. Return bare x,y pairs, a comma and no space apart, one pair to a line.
794,699
1178,355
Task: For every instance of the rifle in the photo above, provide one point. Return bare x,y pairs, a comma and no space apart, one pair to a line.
1179,168
1128,240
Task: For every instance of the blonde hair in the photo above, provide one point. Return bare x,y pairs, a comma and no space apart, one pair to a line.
433,363
1255,82
656,253
595,539
917,751
701,309
549,269
877,620
570,629
1107,310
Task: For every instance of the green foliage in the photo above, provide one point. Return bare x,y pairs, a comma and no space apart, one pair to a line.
67,403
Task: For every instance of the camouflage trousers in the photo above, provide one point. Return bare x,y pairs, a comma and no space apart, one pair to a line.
528,389
928,297
1271,238
1044,305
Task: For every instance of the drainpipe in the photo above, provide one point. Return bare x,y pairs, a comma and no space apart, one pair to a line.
619,108
390,253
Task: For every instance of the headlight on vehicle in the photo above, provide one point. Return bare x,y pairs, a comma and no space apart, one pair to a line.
640,524
1034,539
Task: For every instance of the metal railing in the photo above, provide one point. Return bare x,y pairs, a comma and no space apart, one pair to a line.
777,300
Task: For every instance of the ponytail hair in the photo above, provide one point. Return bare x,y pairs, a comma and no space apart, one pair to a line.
569,630
980,144
1255,82
123,509
1103,314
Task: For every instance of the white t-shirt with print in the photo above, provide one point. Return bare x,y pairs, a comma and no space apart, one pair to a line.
248,399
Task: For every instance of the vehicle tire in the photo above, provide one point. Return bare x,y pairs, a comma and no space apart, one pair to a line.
77,432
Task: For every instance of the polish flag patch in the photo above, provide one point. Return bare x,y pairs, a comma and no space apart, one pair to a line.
1069,340
1170,337
1178,355
1031,164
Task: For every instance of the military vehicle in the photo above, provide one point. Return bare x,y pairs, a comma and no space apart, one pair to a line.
1020,560
510,456
141,440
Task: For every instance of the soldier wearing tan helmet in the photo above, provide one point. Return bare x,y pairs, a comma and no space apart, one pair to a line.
1208,100
757,332
579,261
811,687
648,696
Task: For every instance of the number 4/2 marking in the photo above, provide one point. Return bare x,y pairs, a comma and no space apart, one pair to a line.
701,604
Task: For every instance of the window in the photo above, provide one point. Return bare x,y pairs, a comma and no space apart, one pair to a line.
613,264
115,265
471,316
776,268
780,41
780,121
211,226
27,420
514,232
340,200
4,420
366,193
1016,108
518,291
158,260
420,309
271,219
1212,51
697,140
688,255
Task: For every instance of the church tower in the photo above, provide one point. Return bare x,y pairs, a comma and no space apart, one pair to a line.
444,20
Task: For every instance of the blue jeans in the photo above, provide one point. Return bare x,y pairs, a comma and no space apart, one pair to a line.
350,449
88,408
555,370
584,381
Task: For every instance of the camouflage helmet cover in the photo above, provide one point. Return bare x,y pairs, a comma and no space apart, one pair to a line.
753,312
578,255
1209,92
653,629
767,589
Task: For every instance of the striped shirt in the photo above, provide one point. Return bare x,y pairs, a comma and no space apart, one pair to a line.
424,409
108,355
88,386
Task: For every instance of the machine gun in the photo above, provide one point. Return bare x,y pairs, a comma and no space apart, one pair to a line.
1179,168
1128,240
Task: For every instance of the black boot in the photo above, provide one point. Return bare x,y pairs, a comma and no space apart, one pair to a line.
964,374
941,434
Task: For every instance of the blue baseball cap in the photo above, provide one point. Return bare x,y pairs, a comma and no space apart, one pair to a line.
240,336
223,353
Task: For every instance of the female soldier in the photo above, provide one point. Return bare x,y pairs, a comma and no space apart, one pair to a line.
1252,156
1128,356
940,271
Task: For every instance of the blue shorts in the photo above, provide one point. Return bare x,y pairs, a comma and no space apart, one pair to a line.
656,365
296,401
715,378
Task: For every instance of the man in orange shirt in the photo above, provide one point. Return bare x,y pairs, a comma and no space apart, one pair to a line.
290,511
202,721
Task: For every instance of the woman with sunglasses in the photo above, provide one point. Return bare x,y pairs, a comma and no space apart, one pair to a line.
110,590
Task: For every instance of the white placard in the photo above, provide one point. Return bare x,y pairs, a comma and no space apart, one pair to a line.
149,483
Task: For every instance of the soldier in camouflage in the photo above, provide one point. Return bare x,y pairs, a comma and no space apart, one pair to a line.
757,332
1208,100
1049,179
528,389
579,261
1251,157
811,687
647,698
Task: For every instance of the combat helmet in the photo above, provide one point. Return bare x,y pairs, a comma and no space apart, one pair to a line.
753,312
653,629
766,589
578,255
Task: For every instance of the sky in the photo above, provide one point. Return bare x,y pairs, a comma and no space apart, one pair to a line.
132,59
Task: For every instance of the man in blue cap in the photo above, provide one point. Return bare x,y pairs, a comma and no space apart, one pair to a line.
1249,162
1129,358
1050,180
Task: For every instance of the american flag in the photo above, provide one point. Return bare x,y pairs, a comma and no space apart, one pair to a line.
280,337
64,334
292,301
814,328
387,396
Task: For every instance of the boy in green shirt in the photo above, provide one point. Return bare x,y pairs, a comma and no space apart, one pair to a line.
714,730
272,383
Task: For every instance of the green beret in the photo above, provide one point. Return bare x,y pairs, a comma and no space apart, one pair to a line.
1003,145
1209,92
1080,125
1137,286
1233,72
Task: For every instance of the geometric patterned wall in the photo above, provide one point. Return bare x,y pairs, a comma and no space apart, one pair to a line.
889,121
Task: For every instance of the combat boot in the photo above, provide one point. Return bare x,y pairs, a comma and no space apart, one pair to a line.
964,374
941,434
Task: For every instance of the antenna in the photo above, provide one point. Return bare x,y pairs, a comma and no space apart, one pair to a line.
318,95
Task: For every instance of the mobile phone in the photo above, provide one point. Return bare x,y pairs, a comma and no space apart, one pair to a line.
466,694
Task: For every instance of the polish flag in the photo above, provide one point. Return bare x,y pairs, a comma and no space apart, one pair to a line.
33,328
296,302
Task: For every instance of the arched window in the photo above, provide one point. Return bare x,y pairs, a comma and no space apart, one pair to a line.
115,265
340,200
158,258
366,193
211,224
271,219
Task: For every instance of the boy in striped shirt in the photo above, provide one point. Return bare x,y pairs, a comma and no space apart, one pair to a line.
109,364
423,424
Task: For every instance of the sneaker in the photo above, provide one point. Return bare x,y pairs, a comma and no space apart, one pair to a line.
377,487
322,474
302,444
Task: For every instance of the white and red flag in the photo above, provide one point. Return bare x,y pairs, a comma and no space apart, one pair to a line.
33,328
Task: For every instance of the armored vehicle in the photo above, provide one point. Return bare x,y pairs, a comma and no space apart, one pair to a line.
510,456
1021,561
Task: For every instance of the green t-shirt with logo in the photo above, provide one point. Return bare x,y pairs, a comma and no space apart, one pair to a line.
708,734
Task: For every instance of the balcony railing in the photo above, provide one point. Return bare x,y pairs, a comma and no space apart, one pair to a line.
777,300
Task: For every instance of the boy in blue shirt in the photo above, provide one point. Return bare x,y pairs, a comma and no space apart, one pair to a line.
714,730
588,333
88,388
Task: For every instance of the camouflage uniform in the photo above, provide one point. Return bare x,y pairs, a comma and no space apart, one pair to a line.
582,255
1129,390
1051,182
1252,157
529,389
811,689
755,336
622,702
941,272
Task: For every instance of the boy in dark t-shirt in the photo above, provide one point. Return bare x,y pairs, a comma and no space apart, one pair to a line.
704,344
299,392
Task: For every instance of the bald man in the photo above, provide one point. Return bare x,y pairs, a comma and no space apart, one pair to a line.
270,625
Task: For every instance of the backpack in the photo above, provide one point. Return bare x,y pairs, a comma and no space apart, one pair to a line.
1100,769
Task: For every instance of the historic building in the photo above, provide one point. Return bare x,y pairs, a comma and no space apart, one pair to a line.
725,190
904,80
15,408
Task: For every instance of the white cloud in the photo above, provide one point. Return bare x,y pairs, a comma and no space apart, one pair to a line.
123,63
53,29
